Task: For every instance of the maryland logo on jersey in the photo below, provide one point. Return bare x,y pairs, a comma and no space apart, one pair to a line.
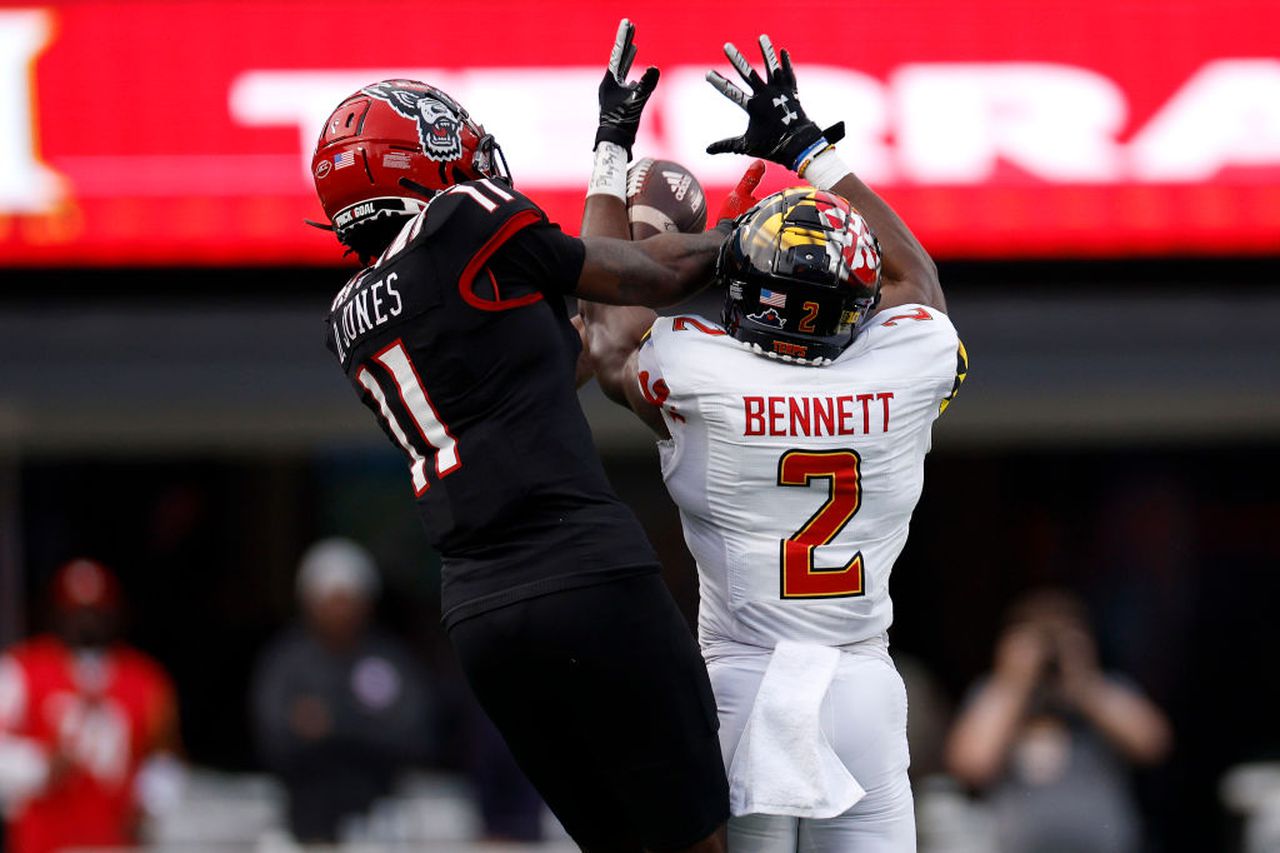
801,271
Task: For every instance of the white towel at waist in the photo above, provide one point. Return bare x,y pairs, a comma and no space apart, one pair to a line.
784,764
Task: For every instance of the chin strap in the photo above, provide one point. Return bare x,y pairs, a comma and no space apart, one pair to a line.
323,226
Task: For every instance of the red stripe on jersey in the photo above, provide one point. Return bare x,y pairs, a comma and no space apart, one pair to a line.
466,283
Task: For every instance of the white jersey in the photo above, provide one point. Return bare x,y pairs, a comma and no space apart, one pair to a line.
796,484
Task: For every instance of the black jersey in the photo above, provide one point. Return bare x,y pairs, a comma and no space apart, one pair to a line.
459,341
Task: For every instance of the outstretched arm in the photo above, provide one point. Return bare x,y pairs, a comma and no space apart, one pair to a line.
907,273
621,104
656,272
605,215
612,334
622,281
779,130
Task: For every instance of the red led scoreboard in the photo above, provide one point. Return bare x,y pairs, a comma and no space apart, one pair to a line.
181,133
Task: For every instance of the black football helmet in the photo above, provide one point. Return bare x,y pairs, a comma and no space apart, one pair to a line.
801,271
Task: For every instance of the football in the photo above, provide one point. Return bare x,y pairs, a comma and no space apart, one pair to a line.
663,196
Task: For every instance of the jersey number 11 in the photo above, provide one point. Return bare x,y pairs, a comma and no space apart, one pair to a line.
413,395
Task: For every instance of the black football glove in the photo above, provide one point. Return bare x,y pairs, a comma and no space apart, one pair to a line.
621,102
777,127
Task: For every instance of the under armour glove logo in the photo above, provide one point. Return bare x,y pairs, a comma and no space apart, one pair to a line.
777,127
787,114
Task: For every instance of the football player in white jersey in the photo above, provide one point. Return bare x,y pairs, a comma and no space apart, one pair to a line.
792,438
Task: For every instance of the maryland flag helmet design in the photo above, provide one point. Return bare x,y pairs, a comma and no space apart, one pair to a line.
801,271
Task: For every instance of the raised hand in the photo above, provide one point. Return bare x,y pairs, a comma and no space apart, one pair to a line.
621,103
777,127
742,198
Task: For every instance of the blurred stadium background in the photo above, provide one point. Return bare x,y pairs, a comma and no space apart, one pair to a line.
1099,182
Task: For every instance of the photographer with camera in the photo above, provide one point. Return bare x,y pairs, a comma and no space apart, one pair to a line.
1050,738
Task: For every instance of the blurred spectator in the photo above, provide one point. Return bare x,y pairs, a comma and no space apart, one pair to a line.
340,709
1050,738
88,725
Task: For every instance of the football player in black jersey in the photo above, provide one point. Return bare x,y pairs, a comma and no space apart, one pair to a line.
456,335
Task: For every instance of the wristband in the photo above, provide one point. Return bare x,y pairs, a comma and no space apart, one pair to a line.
825,170
819,145
609,175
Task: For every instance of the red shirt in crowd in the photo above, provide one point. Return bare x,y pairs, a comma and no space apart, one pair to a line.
95,717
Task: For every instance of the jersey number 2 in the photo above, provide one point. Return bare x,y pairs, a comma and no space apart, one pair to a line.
801,578
395,361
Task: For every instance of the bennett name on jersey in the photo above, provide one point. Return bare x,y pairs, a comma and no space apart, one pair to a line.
815,416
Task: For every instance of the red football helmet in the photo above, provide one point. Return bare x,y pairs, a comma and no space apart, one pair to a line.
388,148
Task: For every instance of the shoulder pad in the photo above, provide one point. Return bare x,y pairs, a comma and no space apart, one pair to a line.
470,213
691,349
922,339
689,323
475,209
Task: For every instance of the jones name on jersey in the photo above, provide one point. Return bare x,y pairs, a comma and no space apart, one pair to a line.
362,306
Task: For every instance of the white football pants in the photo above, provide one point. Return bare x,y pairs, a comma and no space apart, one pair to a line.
864,717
